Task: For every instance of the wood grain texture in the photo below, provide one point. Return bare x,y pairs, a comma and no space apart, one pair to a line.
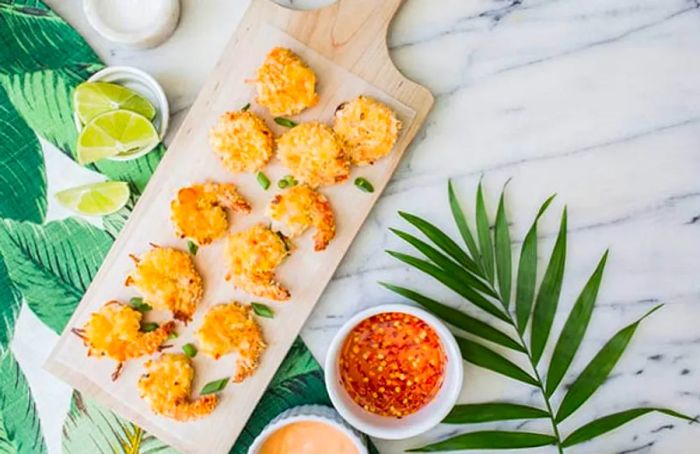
345,44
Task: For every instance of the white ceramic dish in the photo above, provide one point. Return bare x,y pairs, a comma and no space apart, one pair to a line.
145,85
317,413
383,426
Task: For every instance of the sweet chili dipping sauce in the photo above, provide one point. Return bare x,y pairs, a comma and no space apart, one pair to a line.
392,364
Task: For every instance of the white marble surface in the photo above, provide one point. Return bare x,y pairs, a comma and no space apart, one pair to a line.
595,100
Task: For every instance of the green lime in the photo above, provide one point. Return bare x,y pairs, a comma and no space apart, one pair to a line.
96,199
91,99
117,132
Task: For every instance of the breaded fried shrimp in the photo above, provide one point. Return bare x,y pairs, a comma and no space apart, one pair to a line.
313,154
367,128
198,211
166,386
300,207
232,328
252,256
285,84
168,280
242,141
115,332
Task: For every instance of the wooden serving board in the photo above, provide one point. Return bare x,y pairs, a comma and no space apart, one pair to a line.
345,44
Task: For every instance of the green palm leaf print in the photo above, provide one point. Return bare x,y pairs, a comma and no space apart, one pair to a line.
20,430
52,264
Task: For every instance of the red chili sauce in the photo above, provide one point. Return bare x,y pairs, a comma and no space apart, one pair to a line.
392,364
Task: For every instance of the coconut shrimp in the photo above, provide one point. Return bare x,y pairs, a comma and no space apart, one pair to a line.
313,154
232,328
300,207
198,211
168,280
367,128
242,141
253,255
115,332
166,386
285,84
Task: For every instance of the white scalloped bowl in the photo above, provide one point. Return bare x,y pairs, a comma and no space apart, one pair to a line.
386,427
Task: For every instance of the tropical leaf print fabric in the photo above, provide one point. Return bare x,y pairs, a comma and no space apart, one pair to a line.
48,256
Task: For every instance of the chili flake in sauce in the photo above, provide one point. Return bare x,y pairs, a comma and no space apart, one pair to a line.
392,364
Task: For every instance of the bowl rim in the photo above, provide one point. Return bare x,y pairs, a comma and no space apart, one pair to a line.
449,393
276,425
163,107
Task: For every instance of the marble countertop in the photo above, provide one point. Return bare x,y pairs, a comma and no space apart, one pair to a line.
597,101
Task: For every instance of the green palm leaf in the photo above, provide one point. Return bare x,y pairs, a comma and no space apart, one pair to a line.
462,225
481,356
452,282
22,174
495,411
483,231
527,273
611,422
504,262
10,303
34,38
52,264
20,429
90,427
548,295
493,439
598,370
574,328
458,318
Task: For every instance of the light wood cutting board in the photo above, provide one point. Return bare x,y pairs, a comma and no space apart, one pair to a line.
345,44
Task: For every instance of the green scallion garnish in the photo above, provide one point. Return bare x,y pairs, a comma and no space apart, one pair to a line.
214,386
263,310
286,122
263,180
138,304
363,184
192,247
148,327
245,108
190,350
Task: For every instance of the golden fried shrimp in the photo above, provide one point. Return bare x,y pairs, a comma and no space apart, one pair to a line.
367,128
242,141
166,386
198,211
231,328
115,332
313,154
168,280
285,84
300,207
253,255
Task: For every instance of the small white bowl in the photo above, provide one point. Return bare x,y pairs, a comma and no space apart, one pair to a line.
143,84
315,413
384,426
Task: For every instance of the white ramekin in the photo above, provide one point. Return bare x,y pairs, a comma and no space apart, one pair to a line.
384,426
145,85
316,413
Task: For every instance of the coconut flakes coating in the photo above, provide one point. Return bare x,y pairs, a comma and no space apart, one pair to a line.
242,141
285,84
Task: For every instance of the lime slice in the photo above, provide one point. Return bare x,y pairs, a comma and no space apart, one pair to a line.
96,199
113,133
91,99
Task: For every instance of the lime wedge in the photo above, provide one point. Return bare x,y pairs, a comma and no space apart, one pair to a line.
91,99
96,199
117,132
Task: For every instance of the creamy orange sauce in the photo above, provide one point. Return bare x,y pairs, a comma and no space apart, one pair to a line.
308,437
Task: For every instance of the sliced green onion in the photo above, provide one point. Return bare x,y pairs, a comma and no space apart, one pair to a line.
262,310
282,183
286,122
214,386
263,180
245,108
363,184
291,180
192,247
190,350
148,327
138,304
172,335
